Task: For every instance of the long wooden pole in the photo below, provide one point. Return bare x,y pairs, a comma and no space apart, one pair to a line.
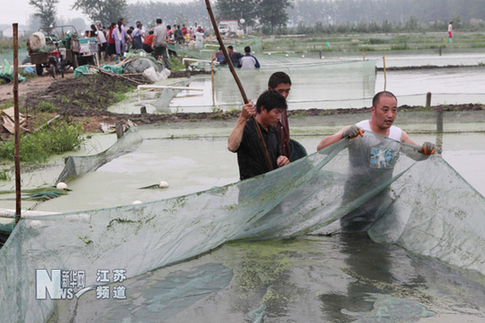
17,121
384,65
212,69
238,82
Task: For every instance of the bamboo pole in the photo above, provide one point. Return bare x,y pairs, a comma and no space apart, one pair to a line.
363,54
212,70
17,121
239,85
213,82
384,65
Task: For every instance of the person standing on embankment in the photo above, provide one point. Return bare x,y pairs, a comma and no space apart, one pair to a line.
450,31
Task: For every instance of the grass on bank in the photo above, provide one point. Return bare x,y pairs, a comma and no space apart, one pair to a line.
37,147
176,64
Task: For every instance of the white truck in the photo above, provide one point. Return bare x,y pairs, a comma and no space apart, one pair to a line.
230,28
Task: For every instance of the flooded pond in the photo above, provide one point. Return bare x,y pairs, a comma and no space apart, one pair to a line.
353,83
337,278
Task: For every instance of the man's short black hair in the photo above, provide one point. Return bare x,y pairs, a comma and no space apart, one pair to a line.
271,100
230,46
377,97
247,49
277,79
159,21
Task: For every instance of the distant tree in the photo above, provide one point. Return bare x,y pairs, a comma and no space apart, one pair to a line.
456,21
78,23
102,11
412,23
386,26
237,9
273,12
179,13
34,23
45,11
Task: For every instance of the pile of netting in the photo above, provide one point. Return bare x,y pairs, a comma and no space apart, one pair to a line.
420,204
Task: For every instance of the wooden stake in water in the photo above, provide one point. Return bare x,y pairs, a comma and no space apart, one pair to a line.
363,51
439,131
428,99
17,120
384,64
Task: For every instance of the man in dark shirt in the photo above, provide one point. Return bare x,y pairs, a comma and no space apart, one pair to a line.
235,56
244,140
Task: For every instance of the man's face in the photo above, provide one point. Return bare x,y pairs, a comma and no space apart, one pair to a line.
230,51
272,117
385,112
283,89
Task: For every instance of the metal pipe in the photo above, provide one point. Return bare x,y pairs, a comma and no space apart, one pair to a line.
169,87
197,60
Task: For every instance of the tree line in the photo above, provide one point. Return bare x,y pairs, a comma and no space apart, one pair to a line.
303,16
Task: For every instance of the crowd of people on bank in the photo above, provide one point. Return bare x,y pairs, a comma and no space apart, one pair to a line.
117,39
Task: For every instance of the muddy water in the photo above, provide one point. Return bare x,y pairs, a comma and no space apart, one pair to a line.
448,86
341,278
192,165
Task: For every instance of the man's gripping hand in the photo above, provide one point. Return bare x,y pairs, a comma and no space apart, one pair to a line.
428,148
352,132
282,161
248,110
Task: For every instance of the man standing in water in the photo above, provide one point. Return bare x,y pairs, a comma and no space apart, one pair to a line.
248,61
244,141
450,30
281,83
372,159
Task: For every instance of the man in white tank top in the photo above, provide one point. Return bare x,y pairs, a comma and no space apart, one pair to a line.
372,159
384,111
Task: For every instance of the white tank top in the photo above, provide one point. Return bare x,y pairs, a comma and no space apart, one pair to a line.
394,133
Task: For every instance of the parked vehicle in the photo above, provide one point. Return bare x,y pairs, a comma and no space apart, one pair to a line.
57,61
42,43
88,52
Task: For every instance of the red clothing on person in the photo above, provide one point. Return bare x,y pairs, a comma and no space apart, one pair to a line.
184,31
111,40
149,40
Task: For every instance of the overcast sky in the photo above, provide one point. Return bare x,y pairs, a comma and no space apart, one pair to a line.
19,10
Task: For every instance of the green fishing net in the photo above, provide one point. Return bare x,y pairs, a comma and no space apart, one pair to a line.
419,203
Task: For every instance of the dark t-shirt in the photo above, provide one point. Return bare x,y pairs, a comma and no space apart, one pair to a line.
250,156
235,57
